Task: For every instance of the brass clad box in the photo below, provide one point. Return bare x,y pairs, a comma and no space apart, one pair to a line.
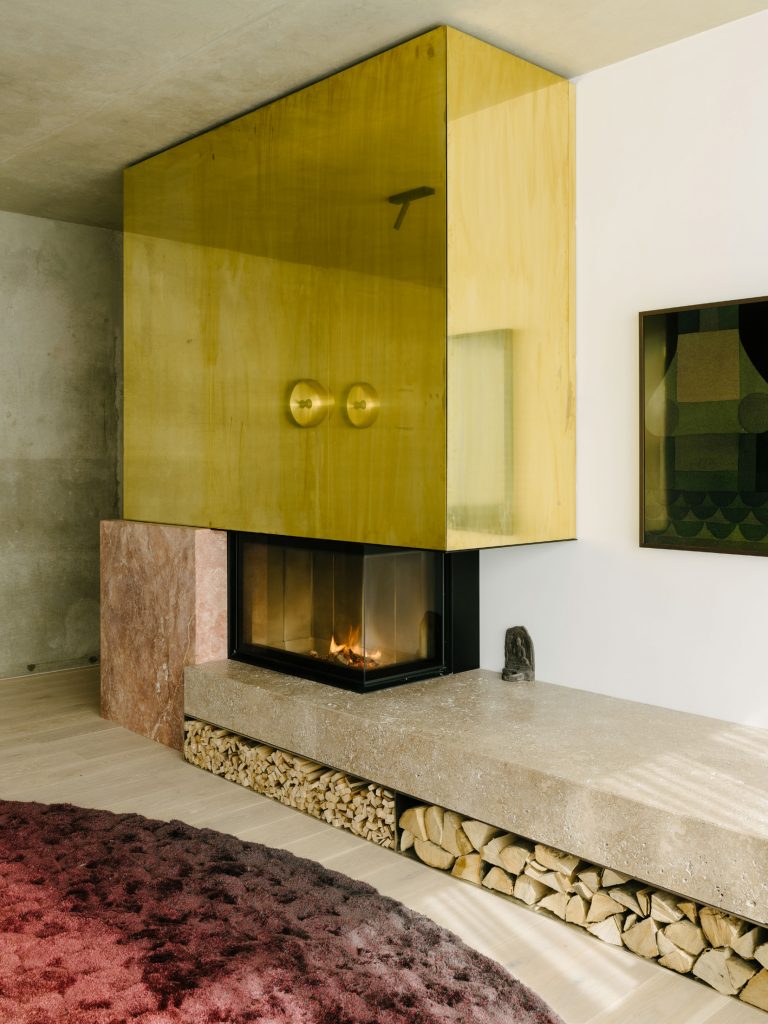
348,314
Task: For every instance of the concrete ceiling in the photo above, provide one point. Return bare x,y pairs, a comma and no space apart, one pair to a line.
89,86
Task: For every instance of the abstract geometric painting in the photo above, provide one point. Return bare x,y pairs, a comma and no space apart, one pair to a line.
704,427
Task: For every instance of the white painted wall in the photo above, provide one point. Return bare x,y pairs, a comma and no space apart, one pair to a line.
672,208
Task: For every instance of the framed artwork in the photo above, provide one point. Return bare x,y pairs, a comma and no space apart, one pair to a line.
704,427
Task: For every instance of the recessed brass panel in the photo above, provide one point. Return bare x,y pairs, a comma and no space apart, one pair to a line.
511,424
264,253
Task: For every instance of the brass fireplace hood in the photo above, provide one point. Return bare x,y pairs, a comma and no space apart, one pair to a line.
348,314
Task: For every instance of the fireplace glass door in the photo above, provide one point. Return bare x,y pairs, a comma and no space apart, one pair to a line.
357,615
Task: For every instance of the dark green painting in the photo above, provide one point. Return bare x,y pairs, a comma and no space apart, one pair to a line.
704,427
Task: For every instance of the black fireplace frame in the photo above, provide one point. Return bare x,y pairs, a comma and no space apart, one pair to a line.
459,650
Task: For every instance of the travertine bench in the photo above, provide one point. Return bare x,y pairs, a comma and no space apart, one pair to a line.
676,800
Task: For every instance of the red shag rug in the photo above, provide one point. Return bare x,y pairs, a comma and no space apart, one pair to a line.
111,918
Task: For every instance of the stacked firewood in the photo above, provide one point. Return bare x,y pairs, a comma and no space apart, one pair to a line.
726,952
342,800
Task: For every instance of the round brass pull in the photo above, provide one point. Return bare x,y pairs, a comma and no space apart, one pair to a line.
362,405
309,403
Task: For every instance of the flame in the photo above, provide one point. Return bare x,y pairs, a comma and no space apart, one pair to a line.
351,644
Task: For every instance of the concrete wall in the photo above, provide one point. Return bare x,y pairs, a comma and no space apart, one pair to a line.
60,311
672,208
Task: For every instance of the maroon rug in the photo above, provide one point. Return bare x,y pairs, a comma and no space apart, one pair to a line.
110,918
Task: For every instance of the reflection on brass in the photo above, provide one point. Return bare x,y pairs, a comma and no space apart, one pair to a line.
404,200
511,410
362,405
480,431
309,403
263,252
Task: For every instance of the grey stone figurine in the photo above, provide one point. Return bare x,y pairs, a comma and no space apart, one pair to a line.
518,655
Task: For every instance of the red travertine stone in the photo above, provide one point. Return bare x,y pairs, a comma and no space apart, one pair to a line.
210,596
163,607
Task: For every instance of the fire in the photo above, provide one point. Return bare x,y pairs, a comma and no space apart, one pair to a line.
350,651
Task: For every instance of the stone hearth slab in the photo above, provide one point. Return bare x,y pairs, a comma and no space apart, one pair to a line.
677,800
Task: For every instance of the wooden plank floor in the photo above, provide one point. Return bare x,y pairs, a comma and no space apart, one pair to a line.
54,747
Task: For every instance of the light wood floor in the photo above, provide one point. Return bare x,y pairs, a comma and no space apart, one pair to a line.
55,748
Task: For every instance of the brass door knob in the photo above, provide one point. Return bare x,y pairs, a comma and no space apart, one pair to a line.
362,405
309,403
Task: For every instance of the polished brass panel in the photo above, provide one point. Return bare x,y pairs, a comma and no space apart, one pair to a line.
263,253
313,241
511,425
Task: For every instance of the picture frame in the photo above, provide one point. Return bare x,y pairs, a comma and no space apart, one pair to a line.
704,427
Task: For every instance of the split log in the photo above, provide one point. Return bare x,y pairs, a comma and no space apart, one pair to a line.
559,881
629,920
529,890
603,906
678,960
406,840
556,860
665,944
608,930
687,936
761,954
740,971
611,877
583,890
641,938
469,867
434,856
433,822
478,833
664,908
455,839
756,991
499,880
747,945
413,821
491,851
552,879
515,856
591,877
556,903
643,897
690,910
723,970
625,895
577,910
721,929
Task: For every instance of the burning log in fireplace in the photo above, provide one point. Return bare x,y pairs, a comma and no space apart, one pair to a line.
351,653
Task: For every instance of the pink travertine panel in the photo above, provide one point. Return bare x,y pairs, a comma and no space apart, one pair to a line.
163,607
210,595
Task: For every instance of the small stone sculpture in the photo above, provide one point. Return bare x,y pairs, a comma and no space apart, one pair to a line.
518,655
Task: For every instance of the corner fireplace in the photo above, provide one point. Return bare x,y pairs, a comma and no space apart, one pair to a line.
360,616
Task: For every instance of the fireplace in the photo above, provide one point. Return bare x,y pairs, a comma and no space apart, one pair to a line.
360,616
